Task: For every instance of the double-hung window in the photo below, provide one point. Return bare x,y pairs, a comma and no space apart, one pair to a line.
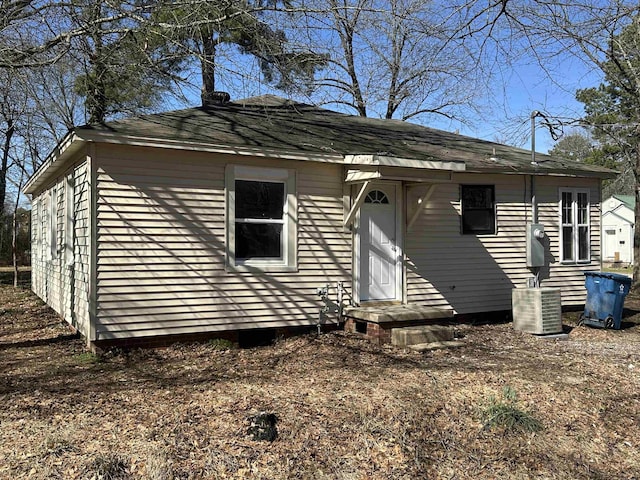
53,225
261,218
574,225
45,225
478,209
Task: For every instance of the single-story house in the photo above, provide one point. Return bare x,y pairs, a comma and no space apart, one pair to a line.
266,213
618,220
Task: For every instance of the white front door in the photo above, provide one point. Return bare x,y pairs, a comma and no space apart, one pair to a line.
379,252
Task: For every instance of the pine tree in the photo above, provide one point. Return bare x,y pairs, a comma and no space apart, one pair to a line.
613,110
241,25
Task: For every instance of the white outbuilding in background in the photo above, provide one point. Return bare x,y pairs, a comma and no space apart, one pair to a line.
617,229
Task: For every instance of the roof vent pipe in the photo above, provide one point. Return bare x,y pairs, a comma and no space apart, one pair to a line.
534,114
211,99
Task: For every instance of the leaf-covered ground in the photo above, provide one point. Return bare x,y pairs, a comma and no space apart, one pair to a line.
346,409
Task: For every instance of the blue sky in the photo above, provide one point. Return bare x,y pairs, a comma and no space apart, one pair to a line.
515,91
522,89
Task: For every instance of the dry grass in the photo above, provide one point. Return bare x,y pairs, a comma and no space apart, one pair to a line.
346,409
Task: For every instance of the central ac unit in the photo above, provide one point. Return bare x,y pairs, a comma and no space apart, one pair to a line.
537,310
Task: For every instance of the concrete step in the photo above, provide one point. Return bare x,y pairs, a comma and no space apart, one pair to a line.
405,336
425,347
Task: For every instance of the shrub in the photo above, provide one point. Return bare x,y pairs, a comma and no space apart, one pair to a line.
159,466
506,414
87,358
221,344
56,445
107,467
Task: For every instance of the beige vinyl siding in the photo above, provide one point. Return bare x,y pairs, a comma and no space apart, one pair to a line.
570,277
58,278
57,257
81,247
46,261
161,246
476,273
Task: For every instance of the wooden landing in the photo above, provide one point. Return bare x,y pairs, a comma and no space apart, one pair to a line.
396,313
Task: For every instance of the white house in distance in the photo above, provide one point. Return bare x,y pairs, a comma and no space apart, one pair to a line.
618,220
233,217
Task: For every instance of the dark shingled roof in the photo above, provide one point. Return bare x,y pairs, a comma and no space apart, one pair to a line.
273,123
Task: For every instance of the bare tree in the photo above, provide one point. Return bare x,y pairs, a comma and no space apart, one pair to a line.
55,104
395,59
603,35
13,106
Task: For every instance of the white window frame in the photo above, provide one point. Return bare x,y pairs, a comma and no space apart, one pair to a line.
575,225
36,229
45,226
69,228
53,223
289,221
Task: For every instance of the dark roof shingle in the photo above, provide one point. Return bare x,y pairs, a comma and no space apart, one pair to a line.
274,123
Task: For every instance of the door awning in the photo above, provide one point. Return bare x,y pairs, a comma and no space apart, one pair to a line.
407,175
398,162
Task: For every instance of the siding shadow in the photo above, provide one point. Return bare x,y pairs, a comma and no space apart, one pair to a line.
470,273
161,249
39,342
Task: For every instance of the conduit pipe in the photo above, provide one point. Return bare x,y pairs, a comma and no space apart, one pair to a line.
534,163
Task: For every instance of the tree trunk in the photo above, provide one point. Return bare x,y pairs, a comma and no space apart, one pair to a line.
14,236
14,248
208,67
636,230
96,92
5,162
97,105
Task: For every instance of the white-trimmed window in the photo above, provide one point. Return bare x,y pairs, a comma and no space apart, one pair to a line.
69,227
53,226
575,244
261,218
45,225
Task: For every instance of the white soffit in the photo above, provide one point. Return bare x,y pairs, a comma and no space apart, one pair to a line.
387,161
409,175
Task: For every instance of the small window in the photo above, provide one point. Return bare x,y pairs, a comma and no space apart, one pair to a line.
261,213
377,196
478,209
575,243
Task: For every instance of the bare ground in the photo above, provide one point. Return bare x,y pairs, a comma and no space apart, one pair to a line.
346,409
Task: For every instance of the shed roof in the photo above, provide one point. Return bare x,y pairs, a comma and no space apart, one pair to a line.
272,124
628,200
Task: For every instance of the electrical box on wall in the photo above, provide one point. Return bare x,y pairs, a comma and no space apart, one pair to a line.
535,245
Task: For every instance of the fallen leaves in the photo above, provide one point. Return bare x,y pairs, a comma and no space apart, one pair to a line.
346,408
